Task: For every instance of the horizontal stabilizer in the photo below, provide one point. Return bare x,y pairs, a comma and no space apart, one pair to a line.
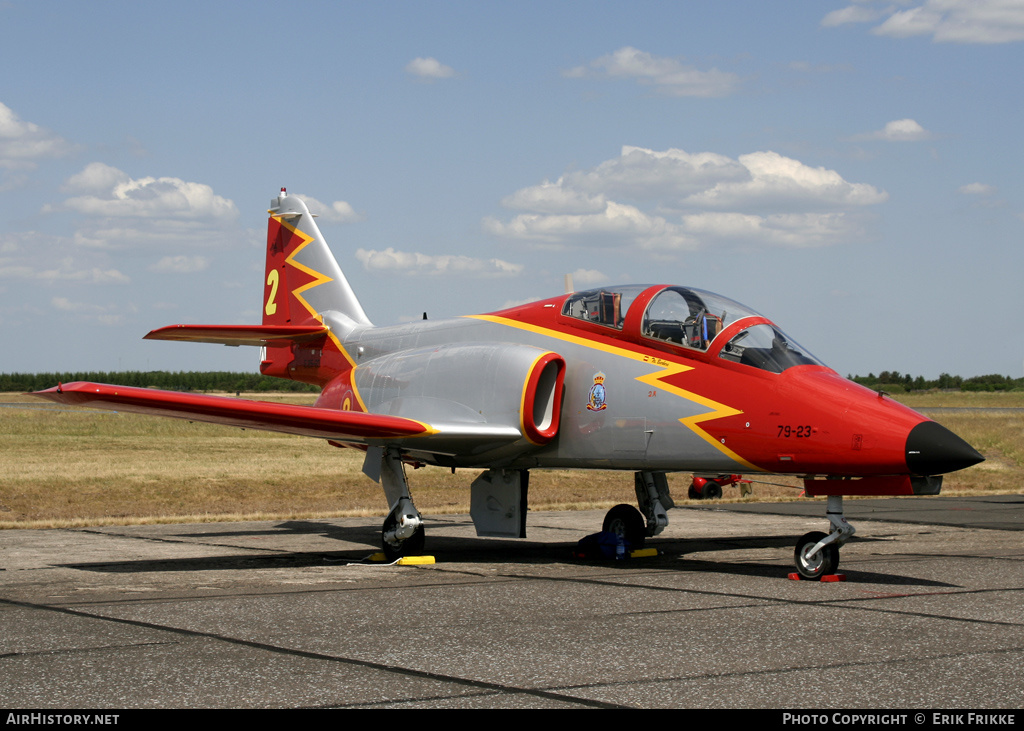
239,334
351,427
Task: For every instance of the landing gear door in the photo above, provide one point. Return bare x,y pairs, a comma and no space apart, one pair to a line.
497,503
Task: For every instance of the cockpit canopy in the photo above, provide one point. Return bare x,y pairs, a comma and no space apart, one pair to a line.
692,319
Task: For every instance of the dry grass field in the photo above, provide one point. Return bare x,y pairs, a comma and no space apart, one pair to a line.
62,466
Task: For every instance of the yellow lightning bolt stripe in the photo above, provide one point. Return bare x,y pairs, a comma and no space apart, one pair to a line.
318,279
654,379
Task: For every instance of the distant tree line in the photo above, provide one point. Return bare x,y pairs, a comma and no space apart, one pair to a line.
896,382
166,380
892,381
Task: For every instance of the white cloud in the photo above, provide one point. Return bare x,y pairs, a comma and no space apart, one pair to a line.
946,21
977,189
180,264
899,130
23,143
111,193
554,197
28,260
617,222
798,230
983,195
97,177
63,303
429,68
92,275
913,22
122,212
416,263
637,174
337,212
851,14
680,201
643,173
782,181
110,233
587,277
669,76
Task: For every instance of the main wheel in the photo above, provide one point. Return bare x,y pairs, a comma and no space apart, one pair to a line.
626,522
411,546
825,562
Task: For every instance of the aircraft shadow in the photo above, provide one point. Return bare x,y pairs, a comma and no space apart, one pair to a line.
672,554
369,533
219,563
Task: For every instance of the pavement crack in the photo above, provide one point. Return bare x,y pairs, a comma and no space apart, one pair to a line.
80,650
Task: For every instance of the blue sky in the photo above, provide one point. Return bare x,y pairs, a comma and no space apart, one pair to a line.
852,171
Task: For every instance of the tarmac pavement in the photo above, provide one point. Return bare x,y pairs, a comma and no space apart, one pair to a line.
282,614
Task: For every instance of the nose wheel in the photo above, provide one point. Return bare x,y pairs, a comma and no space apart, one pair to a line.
817,554
812,564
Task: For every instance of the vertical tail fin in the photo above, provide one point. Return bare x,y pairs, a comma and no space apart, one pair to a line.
303,279
308,306
304,285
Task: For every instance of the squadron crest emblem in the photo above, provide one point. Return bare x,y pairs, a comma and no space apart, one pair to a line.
597,401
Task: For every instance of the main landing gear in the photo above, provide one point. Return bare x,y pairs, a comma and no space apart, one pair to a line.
635,526
627,523
402,534
817,554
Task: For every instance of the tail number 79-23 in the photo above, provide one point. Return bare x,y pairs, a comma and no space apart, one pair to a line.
800,432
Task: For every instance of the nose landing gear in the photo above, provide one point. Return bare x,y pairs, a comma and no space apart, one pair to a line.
817,554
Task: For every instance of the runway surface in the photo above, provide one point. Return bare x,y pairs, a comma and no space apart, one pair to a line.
275,614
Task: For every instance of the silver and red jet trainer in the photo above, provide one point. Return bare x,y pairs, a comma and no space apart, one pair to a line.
646,378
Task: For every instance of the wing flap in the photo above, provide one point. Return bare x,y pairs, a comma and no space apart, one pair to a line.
346,426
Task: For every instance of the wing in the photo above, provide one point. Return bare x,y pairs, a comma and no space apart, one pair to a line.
351,427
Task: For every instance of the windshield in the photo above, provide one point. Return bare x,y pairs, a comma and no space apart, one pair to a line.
690,317
766,347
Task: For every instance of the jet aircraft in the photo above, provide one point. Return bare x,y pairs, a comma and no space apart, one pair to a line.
650,379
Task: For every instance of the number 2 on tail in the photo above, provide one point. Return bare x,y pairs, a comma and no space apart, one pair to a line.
273,279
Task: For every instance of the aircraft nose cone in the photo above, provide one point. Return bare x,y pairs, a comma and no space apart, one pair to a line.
932,449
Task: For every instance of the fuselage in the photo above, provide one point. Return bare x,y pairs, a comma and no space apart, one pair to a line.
714,387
